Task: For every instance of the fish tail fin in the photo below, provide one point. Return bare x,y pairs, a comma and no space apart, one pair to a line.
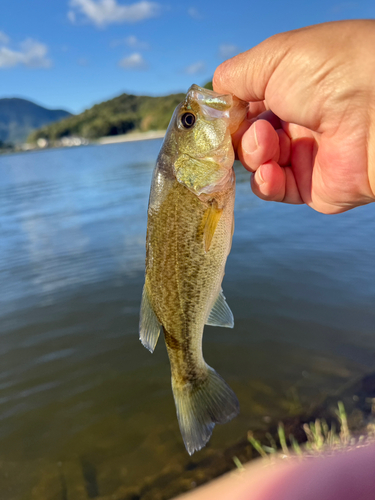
201,405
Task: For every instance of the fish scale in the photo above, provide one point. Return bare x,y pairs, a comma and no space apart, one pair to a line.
186,272
189,234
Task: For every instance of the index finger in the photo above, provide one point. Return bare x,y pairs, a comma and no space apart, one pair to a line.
247,74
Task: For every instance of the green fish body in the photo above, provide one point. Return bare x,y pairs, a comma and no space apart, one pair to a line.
189,235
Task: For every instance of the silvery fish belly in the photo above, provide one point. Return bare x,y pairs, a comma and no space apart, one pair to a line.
189,235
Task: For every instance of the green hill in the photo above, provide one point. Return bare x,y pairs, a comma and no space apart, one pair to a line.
120,115
19,117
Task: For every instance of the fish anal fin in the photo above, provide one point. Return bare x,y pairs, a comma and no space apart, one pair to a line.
201,405
149,326
220,314
210,221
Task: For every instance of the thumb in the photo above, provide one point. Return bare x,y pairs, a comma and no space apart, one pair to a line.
247,74
306,76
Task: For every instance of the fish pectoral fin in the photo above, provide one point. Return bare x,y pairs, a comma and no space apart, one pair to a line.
220,314
149,326
210,221
201,405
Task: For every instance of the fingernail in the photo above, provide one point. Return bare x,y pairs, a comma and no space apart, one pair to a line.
251,141
258,177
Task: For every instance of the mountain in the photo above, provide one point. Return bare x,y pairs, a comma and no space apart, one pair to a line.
19,117
117,116
120,115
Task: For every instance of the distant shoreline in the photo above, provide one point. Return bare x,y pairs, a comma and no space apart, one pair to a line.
132,136
110,139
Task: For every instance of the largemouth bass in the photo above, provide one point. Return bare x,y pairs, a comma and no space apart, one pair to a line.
189,236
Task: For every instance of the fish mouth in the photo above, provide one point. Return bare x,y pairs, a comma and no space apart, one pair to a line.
210,98
215,105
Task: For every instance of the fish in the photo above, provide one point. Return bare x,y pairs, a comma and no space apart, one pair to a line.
189,235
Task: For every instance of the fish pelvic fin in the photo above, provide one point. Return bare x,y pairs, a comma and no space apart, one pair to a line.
149,326
220,314
201,405
210,221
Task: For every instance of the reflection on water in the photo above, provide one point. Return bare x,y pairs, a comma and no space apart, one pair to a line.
55,209
81,401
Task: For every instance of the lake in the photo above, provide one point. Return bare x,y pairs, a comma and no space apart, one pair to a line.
85,410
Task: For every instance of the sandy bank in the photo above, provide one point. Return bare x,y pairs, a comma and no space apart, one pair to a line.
132,136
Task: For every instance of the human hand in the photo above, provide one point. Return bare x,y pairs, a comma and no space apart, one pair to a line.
310,137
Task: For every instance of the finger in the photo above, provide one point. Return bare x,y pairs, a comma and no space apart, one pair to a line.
285,147
274,183
268,182
272,72
255,109
247,74
302,159
237,136
260,143
295,131
270,117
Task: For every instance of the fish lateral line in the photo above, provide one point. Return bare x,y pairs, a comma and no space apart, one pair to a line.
172,342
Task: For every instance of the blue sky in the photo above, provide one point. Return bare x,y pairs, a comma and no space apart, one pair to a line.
73,53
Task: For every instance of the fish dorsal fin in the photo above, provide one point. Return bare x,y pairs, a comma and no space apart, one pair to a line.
220,314
210,221
149,326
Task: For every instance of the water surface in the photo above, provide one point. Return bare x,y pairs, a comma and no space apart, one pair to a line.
80,397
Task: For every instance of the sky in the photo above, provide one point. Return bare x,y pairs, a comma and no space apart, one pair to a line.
71,54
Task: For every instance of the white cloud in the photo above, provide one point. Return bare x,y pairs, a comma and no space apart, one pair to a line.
194,13
134,61
71,16
131,41
227,50
104,12
4,38
195,68
32,54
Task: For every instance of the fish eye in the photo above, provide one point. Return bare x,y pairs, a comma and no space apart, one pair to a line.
188,120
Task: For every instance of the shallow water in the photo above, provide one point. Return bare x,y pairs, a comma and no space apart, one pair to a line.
84,408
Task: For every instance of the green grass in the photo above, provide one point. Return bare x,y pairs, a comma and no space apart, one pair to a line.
320,437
